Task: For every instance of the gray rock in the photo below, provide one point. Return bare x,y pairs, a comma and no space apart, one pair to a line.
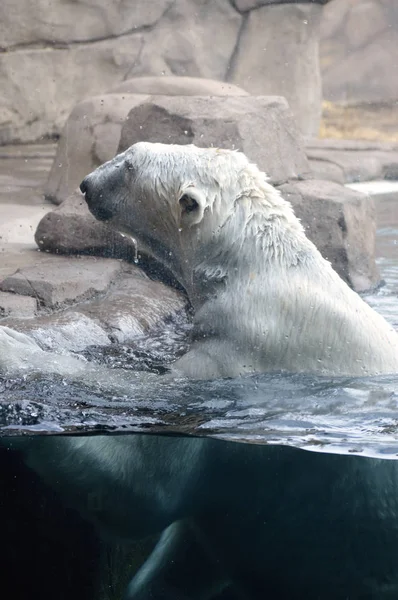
43,81
196,38
341,223
44,85
13,305
178,86
353,145
135,306
357,161
261,127
246,5
74,20
327,170
132,307
92,132
278,54
62,281
359,43
71,228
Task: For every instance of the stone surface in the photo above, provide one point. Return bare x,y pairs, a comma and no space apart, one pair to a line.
354,160
341,223
134,306
178,86
195,38
59,281
44,84
326,169
71,228
14,305
41,81
278,53
92,130
246,5
55,54
74,20
359,41
261,127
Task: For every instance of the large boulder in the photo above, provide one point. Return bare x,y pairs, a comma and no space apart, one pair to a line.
98,302
262,127
278,53
59,281
72,229
92,132
341,223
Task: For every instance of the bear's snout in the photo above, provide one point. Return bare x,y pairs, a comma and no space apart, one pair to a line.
84,186
101,189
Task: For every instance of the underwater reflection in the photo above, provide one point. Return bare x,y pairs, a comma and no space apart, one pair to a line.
235,520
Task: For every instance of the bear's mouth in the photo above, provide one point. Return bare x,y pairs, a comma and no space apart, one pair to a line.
99,212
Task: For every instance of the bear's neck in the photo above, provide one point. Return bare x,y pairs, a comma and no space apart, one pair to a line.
261,236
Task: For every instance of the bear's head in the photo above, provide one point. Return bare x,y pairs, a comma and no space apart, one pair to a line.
184,205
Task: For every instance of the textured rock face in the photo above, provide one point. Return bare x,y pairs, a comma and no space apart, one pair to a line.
72,229
39,87
58,281
56,54
351,161
68,51
341,223
359,49
245,5
129,305
278,53
92,131
74,21
261,127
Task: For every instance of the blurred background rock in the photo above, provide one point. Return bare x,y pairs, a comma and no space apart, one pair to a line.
55,54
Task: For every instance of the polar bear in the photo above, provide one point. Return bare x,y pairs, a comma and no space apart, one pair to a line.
264,298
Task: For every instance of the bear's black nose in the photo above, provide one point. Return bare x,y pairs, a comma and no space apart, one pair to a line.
84,185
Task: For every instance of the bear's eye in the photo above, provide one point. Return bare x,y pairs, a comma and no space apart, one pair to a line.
188,204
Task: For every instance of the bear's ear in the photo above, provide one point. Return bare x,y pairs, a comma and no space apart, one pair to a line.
192,206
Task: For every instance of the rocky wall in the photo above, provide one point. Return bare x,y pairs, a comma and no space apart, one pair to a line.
359,47
54,54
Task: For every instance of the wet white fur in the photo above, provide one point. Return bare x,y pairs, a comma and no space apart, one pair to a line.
264,297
